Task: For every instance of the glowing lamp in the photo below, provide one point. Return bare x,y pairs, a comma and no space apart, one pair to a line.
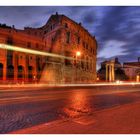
78,53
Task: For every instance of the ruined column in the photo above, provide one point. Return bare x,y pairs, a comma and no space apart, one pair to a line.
106,72
110,72
113,73
110,78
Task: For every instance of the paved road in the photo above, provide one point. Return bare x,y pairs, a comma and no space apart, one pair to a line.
23,108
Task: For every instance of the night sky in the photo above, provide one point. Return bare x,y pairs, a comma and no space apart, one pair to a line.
117,29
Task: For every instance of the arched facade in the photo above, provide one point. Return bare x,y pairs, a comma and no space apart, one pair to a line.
60,35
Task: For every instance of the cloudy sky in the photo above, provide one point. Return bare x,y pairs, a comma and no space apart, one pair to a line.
117,29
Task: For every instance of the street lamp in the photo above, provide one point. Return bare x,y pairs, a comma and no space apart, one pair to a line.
78,54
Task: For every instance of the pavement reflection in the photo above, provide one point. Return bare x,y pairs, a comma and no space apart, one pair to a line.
77,105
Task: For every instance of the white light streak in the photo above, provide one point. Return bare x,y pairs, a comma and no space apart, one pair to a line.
31,51
72,85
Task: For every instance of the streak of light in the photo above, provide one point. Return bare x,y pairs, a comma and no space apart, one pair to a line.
68,85
31,51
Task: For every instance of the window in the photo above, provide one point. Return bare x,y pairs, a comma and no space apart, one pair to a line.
66,25
67,62
84,44
87,46
53,39
68,37
37,46
45,32
9,57
10,40
29,44
78,40
93,51
51,27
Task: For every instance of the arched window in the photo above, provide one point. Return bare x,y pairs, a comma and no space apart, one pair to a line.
10,72
20,73
68,37
1,71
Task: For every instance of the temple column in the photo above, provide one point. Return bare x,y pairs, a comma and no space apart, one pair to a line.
106,72
113,73
110,78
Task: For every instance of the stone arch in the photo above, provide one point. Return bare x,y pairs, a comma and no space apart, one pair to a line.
10,72
1,71
21,73
30,73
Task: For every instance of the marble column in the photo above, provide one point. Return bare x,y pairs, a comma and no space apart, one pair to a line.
110,73
106,72
113,73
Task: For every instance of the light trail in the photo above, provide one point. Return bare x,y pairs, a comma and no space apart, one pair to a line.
69,85
31,51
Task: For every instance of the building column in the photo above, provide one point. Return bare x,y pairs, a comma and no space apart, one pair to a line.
15,73
35,74
15,64
110,78
4,71
113,73
106,72
25,73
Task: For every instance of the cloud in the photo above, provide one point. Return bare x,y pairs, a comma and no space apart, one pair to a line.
88,18
35,24
117,29
112,48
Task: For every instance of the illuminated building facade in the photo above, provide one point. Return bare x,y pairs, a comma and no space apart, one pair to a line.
60,35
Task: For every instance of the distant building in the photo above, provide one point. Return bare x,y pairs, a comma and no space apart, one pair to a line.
132,70
60,35
119,73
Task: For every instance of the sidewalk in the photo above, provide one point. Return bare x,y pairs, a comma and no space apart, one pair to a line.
118,120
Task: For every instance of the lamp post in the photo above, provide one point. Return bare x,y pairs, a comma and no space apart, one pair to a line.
78,54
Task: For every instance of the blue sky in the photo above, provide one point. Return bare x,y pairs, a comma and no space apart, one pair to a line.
117,29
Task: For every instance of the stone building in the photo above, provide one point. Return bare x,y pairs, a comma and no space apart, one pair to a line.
60,35
132,70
